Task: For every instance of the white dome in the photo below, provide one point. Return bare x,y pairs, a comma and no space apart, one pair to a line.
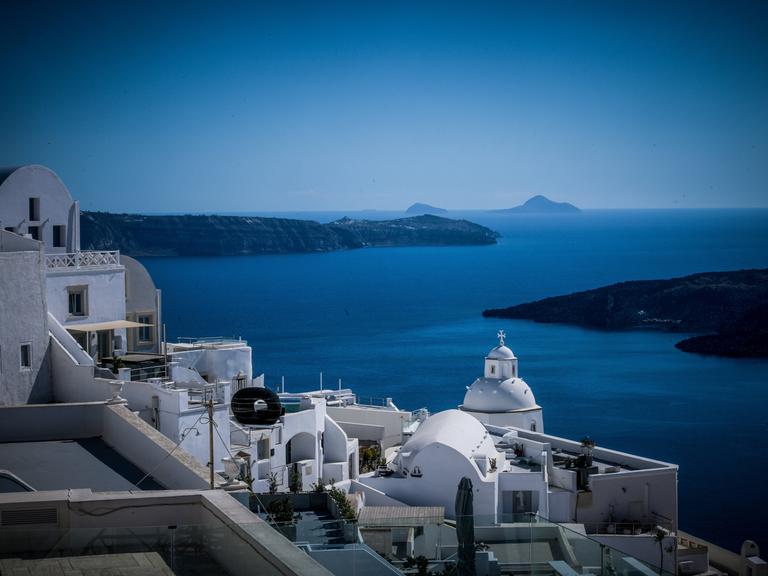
451,428
501,352
490,395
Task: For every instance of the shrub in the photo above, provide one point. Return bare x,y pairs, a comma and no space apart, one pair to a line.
345,508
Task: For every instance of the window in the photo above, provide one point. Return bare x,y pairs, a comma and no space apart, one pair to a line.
10,229
78,300
59,236
524,502
262,449
26,356
146,332
34,209
34,231
493,369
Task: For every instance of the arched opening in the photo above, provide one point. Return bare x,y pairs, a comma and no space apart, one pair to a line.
300,447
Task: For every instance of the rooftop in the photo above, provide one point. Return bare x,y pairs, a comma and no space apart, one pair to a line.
82,463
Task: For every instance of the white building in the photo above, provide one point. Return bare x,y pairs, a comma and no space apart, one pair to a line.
77,311
518,472
500,397
108,303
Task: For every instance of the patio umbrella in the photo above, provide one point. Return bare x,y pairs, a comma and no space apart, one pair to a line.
465,529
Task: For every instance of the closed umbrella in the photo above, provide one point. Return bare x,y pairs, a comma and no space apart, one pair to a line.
465,529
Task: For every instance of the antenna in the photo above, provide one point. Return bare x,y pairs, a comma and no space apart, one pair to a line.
339,384
282,384
321,380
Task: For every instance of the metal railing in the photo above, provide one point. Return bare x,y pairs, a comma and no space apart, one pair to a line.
627,527
83,259
373,401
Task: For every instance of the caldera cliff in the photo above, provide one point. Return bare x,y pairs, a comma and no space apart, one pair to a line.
197,235
728,309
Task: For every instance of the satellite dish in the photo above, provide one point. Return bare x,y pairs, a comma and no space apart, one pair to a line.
246,411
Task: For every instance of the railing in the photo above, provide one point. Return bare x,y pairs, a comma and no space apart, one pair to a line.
210,340
149,373
84,259
626,528
373,401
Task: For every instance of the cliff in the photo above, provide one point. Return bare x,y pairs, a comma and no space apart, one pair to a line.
730,308
193,235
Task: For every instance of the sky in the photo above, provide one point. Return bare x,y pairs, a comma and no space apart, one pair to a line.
222,106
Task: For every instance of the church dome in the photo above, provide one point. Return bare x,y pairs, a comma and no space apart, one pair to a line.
501,352
490,395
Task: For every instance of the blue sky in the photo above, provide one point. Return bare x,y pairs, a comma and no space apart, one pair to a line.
328,106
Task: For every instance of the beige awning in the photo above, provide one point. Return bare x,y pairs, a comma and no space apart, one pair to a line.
97,326
400,516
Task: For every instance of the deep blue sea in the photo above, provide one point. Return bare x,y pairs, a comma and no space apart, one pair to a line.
406,323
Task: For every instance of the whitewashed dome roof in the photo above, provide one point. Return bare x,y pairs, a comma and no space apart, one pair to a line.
453,429
490,395
501,352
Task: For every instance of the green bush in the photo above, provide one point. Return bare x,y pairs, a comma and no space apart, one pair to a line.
281,511
345,508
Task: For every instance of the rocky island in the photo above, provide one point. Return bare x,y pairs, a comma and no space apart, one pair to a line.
197,235
541,205
729,309
421,208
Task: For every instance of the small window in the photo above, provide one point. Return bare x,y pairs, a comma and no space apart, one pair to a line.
34,231
146,332
10,229
34,209
78,300
59,236
26,356
493,369
263,450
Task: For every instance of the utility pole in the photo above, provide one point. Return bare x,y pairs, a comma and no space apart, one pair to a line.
210,436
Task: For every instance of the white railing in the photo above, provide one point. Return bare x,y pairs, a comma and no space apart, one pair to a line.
84,259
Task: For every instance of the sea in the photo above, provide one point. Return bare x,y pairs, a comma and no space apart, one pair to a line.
407,323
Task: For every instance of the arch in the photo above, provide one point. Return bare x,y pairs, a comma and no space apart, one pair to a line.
300,446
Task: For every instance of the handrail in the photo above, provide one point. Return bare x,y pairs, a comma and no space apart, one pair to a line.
83,259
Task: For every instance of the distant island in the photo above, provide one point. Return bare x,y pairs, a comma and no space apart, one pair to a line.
541,205
194,235
729,309
419,208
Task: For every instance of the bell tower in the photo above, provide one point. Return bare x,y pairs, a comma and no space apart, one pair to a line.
501,362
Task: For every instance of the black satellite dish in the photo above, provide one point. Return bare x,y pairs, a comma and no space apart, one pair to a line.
244,406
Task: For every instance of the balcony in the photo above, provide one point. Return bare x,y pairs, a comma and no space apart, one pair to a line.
88,259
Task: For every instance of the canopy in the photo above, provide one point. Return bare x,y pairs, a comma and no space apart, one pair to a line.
112,325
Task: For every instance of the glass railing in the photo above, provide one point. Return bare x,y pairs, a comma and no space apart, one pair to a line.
526,545
531,544
183,550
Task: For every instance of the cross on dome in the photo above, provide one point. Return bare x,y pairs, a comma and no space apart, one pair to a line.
501,335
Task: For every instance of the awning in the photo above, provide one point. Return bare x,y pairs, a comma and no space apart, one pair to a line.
400,516
97,326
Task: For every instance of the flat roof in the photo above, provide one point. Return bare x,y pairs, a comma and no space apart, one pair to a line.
63,464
